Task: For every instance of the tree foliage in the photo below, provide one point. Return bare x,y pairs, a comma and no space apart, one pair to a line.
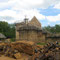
7,29
54,29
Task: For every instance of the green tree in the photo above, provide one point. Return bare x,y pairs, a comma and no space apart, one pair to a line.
54,29
7,29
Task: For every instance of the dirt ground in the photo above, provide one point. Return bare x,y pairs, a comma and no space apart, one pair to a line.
23,57
6,58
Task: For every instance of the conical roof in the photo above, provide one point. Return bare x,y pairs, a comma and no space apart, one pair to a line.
2,36
34,21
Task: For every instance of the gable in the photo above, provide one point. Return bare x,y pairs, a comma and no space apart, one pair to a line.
34,21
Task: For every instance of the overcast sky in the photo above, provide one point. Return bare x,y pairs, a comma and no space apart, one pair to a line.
46,11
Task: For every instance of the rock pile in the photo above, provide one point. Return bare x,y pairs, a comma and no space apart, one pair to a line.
30,51
16,49
49,52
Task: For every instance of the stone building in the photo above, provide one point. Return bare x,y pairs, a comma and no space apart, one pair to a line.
30,31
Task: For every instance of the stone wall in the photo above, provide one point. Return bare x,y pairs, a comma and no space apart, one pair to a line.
17,35
52,40
31,36
41,37
28,35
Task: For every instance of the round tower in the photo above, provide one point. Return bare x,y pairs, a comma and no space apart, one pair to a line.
26,20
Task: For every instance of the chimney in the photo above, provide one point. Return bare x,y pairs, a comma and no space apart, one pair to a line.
26,20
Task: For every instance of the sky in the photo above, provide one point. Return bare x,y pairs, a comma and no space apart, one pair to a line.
46,11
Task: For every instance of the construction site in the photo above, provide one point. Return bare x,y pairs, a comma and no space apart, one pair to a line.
27,47
24,50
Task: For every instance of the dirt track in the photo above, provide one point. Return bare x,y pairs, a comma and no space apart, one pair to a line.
6,58
24,57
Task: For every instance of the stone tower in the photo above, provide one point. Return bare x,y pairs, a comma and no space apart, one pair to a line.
29,30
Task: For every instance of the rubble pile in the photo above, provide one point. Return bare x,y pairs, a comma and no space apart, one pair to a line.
24,46
16,49
30,51
51,51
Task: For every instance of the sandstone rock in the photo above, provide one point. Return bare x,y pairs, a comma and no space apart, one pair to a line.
17,56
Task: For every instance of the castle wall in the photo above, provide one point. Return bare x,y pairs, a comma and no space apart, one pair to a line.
31,36
28,35
17,35
52,39
41,37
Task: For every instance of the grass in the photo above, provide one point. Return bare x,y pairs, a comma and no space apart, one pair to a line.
44,44
59,43
41,43
12,39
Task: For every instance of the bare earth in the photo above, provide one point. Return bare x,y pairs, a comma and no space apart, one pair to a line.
6,58
24,57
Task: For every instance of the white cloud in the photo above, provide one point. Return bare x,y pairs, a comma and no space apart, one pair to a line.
4,0
57,6
8,15
31,13
53,18
28,4
6,4
20,8
19,16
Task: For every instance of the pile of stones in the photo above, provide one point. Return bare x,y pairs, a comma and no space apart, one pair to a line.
50,51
